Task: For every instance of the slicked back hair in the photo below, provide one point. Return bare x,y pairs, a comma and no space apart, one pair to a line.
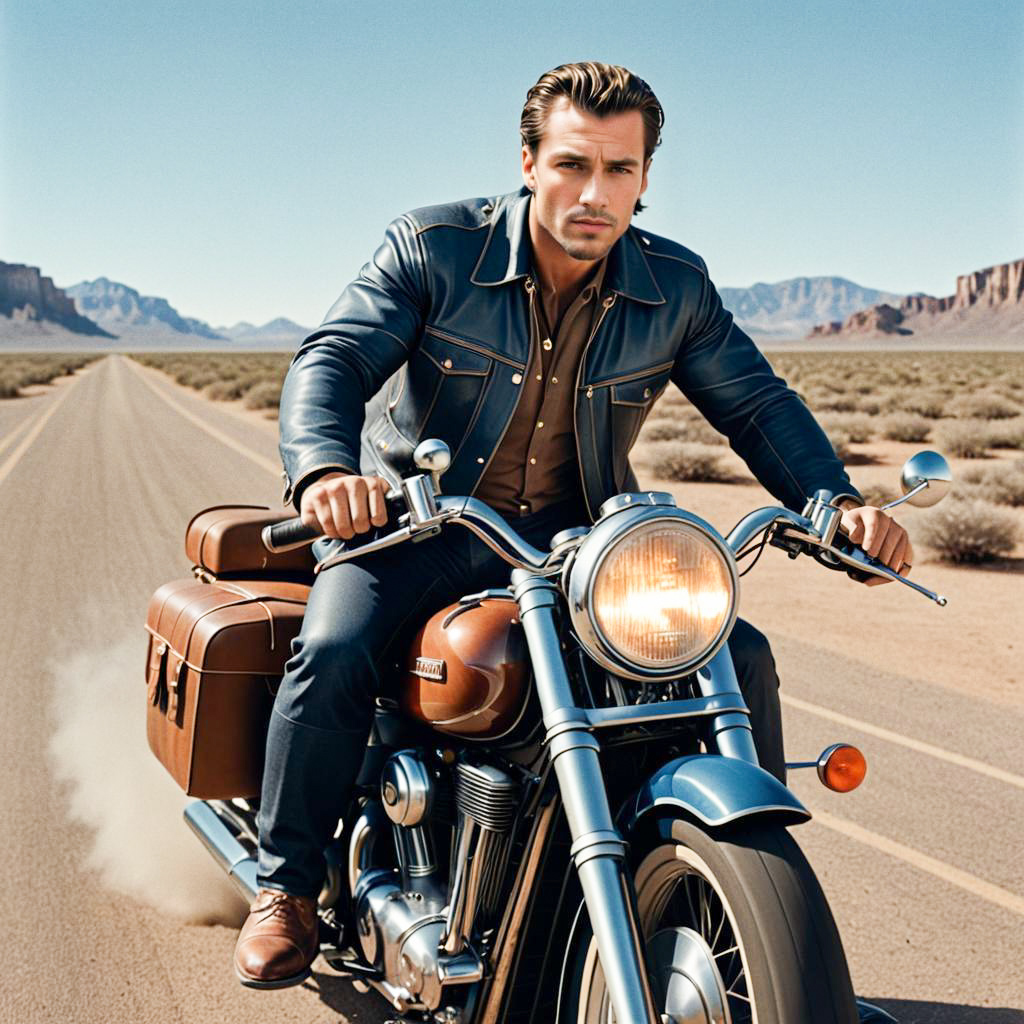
594,88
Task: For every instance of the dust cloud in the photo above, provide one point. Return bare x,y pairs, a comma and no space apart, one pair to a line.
140,843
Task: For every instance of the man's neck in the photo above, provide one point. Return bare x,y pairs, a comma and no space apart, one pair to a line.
557,270
561,277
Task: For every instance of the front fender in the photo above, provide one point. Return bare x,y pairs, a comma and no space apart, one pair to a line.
715,790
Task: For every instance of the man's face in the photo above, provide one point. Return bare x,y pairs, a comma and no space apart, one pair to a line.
586,176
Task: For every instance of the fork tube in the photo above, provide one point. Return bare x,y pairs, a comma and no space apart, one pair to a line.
597,849
731,730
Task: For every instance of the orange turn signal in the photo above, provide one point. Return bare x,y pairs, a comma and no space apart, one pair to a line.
842,768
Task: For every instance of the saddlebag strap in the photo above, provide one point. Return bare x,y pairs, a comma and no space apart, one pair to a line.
155,685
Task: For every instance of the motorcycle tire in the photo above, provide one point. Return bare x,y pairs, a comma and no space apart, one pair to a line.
749,889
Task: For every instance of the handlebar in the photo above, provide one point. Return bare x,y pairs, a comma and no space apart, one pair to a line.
426,514
814,533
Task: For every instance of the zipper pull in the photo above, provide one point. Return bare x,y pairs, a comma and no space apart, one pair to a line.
528,285
609,300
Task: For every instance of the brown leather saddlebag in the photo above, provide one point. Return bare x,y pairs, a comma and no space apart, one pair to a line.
225,541
216,655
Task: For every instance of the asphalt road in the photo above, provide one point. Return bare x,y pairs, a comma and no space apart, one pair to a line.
105,893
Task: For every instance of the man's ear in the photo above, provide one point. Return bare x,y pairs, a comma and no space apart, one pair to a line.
529,169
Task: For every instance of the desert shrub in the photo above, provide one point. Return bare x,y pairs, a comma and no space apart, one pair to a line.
1002,483
675,429
931,404
982,405
265,395
1007,433
969,530
225,390
905,426
683,460
966,439
881,401
835,401
858,427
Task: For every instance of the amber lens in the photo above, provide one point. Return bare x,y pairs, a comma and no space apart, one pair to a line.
663,595
845,769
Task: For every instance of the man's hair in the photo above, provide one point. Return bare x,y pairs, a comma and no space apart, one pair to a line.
594,88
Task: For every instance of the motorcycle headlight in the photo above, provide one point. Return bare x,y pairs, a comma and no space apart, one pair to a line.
653,593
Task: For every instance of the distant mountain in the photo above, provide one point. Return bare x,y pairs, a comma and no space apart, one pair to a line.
124,312
789,309
30,303
987,304
281,329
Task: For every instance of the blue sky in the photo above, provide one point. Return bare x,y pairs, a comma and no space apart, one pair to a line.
241,159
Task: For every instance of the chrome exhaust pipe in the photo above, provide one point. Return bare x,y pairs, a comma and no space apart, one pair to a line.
222,842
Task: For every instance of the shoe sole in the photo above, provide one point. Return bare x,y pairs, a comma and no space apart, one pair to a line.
294,979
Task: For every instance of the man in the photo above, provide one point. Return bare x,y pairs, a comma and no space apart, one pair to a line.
532,333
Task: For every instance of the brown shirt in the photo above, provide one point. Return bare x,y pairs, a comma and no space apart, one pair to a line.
536,463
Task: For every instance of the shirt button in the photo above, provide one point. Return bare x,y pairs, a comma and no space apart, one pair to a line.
517,378
540,423
447,364
480,460
554,380
546,344
524,508
540,376
533,462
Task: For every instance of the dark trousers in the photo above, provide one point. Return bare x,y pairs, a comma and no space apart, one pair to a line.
359,617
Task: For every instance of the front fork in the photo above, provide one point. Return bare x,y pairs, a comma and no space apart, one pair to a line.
598,850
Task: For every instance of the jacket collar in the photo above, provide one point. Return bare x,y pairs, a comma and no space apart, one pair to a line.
506,254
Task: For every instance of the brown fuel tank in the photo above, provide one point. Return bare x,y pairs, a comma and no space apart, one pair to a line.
467,673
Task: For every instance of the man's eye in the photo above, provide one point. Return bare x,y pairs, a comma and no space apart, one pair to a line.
569,163
622,170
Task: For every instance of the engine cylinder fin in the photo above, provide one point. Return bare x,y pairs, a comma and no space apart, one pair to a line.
486,794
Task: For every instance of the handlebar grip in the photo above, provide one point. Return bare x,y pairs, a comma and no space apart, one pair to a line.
288,534
293,533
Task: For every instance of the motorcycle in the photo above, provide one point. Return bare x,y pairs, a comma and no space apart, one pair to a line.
561,817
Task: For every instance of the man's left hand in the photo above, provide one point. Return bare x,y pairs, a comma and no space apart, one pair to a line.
881,537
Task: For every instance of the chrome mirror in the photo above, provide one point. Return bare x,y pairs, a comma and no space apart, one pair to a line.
433,456
925,480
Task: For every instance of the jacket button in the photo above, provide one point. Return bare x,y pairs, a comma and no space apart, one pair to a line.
590,392
480,460
546,344
447,364
517,378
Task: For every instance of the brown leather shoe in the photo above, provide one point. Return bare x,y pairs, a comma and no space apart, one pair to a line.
278,942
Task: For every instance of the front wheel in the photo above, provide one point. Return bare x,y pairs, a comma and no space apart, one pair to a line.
737,931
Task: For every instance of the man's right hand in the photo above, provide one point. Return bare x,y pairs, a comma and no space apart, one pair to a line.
342,505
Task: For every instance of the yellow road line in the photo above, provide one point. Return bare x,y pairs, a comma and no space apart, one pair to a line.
940,869
260,460
906,741
15,456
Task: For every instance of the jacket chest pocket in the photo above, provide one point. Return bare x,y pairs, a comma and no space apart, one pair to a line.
629,403
443,387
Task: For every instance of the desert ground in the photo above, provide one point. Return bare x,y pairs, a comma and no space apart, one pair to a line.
113,912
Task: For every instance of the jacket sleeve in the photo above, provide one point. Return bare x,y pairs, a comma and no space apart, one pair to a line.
367,335
722,372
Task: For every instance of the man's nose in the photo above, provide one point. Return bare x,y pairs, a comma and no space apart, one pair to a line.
593,193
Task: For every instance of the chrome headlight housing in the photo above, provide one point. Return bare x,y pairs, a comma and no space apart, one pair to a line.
653,590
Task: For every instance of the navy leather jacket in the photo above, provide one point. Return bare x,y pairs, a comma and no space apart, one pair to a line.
432,340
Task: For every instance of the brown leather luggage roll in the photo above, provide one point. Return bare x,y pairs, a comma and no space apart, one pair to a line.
216,655
225,541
